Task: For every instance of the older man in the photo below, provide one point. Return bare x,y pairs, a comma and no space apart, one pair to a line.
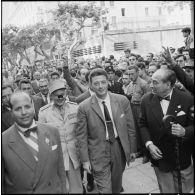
32,160
63,116
161,140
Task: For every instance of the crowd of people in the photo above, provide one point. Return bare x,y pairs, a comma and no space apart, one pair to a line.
97,115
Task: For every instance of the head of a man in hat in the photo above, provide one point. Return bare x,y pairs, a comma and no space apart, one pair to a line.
58,93
111,73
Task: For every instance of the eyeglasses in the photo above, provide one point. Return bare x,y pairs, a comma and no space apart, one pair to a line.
132,59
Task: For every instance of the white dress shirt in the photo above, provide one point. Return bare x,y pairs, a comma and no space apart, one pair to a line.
27,139
107,102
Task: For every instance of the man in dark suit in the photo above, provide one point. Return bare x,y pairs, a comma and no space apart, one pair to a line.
161,141
113,86
38,102
35,82
7,119
32,160
44,91
106,134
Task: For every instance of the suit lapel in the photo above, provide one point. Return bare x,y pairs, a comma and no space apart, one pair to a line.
18,145
43,153
156,109
95,106
114,107
173,104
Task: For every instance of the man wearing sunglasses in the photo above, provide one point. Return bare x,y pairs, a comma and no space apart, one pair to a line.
63,115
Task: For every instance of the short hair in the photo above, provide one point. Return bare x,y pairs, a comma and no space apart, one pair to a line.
140,65
97,72
24,81
186,30
26,75
118,73
18,93
133,67
59,69
7,85
169,76
151,54
127,50
180,55
126,73
111,57
54,73
155,64
43,80
134,55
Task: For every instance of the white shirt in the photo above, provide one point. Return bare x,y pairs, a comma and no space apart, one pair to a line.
27,139
107,102
164,105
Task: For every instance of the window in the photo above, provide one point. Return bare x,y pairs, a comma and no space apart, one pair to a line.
159,11
111,3
123,11
114,20
102,3
146,11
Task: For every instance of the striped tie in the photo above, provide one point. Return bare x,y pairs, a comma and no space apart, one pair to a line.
32,141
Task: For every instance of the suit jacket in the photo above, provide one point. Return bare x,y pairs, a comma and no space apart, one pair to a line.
39,95
91,130
7,119
35,87
152,128
116,88
20,171
38,103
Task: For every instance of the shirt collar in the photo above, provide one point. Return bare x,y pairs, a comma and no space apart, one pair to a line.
101,100
25,129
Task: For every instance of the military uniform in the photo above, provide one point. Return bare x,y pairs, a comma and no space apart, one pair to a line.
64,120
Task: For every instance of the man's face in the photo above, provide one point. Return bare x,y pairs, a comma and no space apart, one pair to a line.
149,57
23,110
180,61
26,87
133,74
6,93
127,54
83,73
54,77
185,34
126,79
132,60
59,97
37,76
142,72
111,76
99,84
158,87
186,54
43,86
124,65
190,72
151,70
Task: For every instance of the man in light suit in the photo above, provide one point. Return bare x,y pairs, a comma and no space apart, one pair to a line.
35,82
63,115
102,154
159,140
32,160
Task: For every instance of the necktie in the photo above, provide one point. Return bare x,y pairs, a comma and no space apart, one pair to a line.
164,98
46,102
109,123
33,141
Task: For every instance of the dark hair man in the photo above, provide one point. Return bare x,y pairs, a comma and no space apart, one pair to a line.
188,38
180,59
105,149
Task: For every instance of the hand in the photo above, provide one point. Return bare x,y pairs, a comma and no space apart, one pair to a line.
87,166
167,56
178,130
132,157
155,152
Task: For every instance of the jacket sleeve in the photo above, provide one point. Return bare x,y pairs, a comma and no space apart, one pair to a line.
184,78
81,133
130,125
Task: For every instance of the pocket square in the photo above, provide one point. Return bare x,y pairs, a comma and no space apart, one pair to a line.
181,113
54,147
122,115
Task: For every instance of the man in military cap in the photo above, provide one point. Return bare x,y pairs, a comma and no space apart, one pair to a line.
113,86
63,115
